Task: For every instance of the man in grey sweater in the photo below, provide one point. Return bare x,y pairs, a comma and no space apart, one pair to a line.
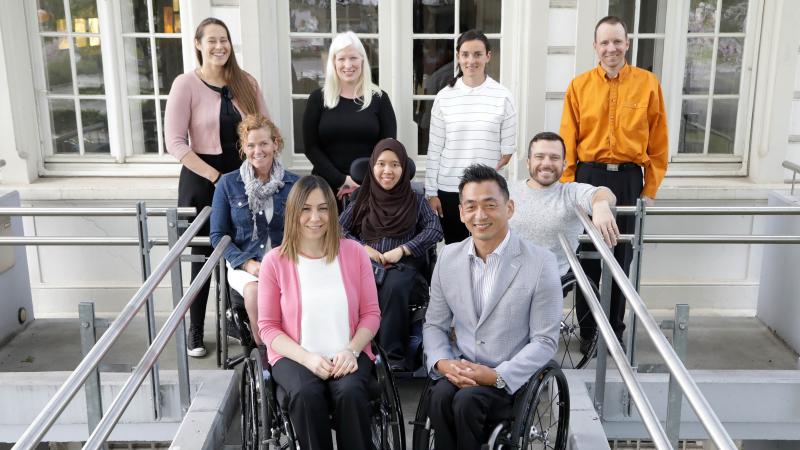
545,207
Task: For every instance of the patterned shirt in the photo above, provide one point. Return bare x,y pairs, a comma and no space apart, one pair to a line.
484,274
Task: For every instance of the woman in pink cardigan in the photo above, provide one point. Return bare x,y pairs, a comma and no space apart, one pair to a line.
203,110
317,314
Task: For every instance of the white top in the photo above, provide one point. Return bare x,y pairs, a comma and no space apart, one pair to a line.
484,274
468,125
269,210
325,324
541,214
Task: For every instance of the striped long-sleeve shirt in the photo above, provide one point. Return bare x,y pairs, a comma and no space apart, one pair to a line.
468,125
425,234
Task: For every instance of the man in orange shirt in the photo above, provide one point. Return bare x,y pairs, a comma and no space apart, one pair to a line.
615,132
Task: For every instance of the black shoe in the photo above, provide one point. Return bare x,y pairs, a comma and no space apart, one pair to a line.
194,345
587,344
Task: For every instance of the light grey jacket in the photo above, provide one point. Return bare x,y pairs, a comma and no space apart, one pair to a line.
517,333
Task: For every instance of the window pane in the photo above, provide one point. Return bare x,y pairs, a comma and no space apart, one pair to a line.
723,126
95,126
89,66
493,68
650,55
625,10
310,16
298,109
167,16
360,17
134,16
50,15
434,17
433,65
143,126
701,16
697,75
58,73
83,10
693,126
481,14
63,126
138,65
729,65
170,62
308,63
422,116
734,13
652,16
371,47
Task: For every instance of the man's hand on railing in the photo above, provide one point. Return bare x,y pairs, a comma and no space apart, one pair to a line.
606,223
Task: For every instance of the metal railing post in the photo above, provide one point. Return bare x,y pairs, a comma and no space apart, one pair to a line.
680,338
176,280
635,276
602,345
94,398
150,314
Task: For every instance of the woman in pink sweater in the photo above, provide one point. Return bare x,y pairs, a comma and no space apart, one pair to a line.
203,110
317,314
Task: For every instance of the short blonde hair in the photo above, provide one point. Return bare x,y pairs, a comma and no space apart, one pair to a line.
365,88
294,207
257,121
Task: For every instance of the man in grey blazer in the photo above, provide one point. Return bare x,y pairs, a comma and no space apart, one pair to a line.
502,296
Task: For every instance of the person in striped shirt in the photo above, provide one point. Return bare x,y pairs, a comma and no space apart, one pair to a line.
473,120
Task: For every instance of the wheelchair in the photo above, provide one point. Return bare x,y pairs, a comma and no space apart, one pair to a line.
540,415
234,322
265,418
569,355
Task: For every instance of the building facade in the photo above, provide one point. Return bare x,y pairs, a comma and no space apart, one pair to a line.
83,84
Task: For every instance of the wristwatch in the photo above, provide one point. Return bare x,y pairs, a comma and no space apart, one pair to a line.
499,382
355,353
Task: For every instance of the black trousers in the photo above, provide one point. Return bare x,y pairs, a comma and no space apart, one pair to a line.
196,191
394,297
311,399
463,418
454,230
627,187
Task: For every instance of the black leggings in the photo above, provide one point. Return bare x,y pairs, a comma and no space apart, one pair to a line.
196,191
454,230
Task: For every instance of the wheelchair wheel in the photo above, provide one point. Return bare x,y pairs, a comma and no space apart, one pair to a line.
388,429
543,420
569,354
250,404
423,436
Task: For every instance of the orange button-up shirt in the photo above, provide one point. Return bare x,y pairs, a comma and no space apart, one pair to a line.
616,120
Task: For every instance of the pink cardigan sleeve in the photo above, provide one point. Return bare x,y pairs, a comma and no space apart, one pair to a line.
368,311
270,316
177,116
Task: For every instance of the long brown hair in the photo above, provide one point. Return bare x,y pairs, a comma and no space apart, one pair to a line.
291,222
239,82
469,35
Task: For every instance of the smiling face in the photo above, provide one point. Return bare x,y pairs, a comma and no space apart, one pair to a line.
485,211
348,63
546,162
314,216
214,46
473,57
387,170
260,149
610,44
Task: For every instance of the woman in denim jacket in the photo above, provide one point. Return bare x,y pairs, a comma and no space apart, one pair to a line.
249,206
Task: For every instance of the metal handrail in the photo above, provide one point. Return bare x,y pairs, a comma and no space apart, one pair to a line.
83,212
42,423
202,241
794,168
646,411
123,399
699,239
712,210
698,402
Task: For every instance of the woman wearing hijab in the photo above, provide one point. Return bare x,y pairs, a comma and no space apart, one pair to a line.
397,227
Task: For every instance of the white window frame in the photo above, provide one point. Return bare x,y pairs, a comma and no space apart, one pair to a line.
120,161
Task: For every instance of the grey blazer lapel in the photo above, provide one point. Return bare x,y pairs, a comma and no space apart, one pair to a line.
462,283
509,266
